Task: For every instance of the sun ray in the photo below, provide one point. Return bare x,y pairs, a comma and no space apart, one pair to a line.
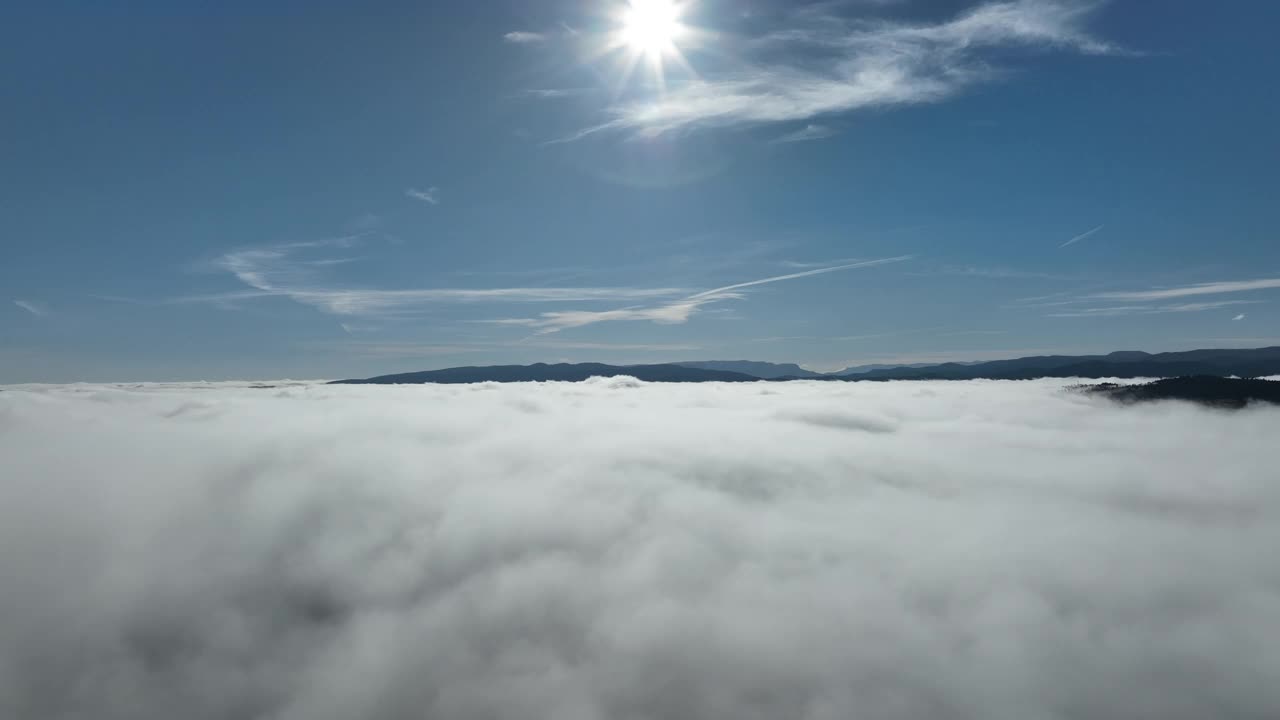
649,32
652,26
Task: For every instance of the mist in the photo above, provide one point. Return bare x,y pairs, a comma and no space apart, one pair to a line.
616,549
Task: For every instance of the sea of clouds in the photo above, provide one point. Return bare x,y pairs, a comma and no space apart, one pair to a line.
617,549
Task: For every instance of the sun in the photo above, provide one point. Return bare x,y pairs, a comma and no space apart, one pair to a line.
652,34
651,27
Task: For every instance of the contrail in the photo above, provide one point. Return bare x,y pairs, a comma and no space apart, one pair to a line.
819,271
1080,237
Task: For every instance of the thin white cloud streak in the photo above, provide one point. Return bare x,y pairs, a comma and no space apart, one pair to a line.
1210,288
1081,236
552,93
372,302
805,265
1151,309
431,195
358,302
33,307
839,66
1238,317
677,311
617,550
278,271
1142,302
521,37
807,133
984,272
805,273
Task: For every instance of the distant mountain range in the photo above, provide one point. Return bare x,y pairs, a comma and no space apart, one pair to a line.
778,370
761,370
568,372
774,371
1123,364
862,369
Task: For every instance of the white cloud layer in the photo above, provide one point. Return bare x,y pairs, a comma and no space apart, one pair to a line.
614,549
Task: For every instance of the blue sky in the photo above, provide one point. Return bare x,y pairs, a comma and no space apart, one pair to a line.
208,190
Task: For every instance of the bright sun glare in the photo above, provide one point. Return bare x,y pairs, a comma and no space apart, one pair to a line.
652,26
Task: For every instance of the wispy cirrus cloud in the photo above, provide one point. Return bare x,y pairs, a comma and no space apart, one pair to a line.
38,309
1116,303
430,196
676,311
824,65
808,264
356,301
1208,288
524,37
289,271
551,93
1238,317
807,133
1151,309
981,271
1081,236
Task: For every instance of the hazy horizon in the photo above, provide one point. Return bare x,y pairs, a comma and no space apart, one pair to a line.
359,370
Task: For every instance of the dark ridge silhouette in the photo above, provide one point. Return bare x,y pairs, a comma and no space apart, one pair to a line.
862,369
762,370
1123,364
1204,389
565,372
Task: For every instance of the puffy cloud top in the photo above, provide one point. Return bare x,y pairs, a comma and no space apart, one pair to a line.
616,549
